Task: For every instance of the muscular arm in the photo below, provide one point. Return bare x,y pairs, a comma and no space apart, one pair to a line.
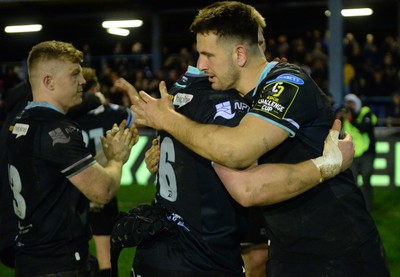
236,147
272,183
268,183
99,184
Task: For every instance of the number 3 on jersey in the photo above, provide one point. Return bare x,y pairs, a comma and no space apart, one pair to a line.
16,187
166,175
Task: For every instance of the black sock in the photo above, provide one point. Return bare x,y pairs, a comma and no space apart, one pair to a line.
105,272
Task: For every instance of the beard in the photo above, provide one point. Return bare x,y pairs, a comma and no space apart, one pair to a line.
228,79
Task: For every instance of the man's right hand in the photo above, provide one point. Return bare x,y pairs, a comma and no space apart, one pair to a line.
119,141
152,112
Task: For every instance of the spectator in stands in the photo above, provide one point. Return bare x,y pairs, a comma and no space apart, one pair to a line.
360,122
394,111
348,75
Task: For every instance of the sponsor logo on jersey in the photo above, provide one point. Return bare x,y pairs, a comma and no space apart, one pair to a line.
241,106
178,221
58,136
20,129
181,99
224,110
288,78
71,130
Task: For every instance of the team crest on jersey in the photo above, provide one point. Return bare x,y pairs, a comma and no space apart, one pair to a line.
181,99
20,129
224,110
58,136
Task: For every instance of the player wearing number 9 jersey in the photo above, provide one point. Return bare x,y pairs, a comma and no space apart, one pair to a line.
211,223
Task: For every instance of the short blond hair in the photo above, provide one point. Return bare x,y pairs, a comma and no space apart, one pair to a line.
53,50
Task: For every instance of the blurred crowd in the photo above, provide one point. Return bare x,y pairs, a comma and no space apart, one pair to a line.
371,68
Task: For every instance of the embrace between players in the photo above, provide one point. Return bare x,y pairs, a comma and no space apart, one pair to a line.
219,150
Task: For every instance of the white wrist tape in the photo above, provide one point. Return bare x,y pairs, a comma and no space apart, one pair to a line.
331,160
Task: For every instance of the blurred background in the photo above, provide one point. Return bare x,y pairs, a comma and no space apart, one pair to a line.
163,47
359,55
79,21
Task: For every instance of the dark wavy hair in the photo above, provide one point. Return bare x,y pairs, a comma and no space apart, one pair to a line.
229,19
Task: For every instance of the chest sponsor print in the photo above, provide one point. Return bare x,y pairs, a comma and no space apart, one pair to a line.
181,99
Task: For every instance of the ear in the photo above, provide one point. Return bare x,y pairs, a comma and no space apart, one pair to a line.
241,55
48,82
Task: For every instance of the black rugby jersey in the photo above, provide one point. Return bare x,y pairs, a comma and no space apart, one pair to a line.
46,148
331,218
212,223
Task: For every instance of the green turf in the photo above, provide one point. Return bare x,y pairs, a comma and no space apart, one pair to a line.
386,213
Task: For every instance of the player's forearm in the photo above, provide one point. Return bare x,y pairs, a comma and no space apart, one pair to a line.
287,181
99,184
217,143
269,183
112,180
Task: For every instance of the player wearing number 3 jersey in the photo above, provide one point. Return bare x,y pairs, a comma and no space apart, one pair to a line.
51,172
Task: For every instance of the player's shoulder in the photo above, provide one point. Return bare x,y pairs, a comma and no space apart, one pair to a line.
285,66
190,85
288,72
46,127
202,99
63,130
44,117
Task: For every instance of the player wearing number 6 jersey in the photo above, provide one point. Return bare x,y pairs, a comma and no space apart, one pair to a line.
211,223
324,231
